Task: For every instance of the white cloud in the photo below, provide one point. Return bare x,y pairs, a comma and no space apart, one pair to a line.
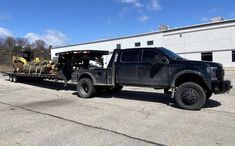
32,37
214,10
123,12
154,5
138,5
51,37
143,18
204,19
4,16
5,32
134,3
128,1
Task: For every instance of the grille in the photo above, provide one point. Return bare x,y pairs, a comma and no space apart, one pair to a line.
220,73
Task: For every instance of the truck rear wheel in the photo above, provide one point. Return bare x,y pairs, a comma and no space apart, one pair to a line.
85,88
190,96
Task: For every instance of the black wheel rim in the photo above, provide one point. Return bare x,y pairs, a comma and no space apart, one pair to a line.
190,96
84,88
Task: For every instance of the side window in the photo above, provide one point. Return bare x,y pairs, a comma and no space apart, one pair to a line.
150,56
130,56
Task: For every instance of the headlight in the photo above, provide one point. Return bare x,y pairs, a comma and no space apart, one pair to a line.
212,72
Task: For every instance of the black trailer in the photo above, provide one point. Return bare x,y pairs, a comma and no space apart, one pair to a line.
67,62
20,77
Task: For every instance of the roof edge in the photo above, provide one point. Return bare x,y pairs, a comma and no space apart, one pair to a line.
150,33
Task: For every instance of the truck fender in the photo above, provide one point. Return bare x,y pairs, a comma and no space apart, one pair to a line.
86,75
175,77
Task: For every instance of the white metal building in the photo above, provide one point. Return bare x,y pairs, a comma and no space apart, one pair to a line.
214,41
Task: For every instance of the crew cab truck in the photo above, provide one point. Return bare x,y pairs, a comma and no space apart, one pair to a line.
191,82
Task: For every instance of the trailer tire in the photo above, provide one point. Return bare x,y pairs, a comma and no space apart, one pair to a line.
85,88
14,79
11,78
190,96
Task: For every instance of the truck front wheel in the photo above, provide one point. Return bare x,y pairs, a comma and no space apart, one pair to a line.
85,88
190,96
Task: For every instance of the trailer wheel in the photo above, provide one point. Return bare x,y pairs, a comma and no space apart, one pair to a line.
190,96
85,88
11,78
14,79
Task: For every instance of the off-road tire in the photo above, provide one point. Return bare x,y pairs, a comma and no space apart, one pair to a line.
190,96
85,88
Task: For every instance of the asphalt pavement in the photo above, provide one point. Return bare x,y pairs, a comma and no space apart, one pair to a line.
43,113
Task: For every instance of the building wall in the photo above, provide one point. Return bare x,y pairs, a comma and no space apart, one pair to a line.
111,45
219,39
189,43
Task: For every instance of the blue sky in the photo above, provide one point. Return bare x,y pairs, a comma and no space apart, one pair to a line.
62,22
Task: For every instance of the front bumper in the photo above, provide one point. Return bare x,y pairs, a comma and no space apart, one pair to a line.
220,87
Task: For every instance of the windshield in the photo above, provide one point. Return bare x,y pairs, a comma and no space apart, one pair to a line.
170,54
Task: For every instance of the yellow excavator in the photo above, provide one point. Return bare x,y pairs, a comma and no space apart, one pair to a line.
24,62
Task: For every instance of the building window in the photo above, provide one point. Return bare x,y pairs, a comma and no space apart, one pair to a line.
233,56
208,56
118,46
150,43
137,44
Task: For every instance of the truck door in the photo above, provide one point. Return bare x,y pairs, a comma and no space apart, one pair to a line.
127,67
153,70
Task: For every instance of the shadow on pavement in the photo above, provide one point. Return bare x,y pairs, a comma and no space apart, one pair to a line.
125,94
48,103
153,97
50,85
140,96
212,104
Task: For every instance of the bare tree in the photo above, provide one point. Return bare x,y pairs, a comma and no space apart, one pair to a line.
2,49
10,43
40,44
40,49
22,42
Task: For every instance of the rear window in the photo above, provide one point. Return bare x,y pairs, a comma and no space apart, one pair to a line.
130,56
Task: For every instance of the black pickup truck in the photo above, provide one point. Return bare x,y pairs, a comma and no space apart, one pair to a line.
190,83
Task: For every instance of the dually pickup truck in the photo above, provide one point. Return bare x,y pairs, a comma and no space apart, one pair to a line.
190,83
